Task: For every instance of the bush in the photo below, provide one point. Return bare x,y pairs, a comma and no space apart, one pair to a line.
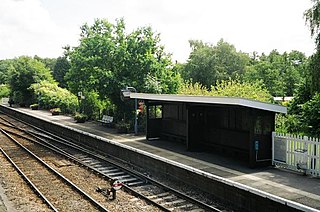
4,91
92,105
123,127
231,88
52,96
55,111
80,118
34,106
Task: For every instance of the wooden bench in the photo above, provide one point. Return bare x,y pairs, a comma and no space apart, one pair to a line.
106,120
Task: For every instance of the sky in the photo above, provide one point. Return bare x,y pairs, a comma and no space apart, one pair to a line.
43,27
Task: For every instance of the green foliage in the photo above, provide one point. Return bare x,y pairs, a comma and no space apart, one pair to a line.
152,85
92,106
60,69
80,118
234,88
312,17
208,64
123,127
55,111
5,67
52,96
48,62
281,74
108,59
311,116
34,106
281,123
4,91
231,88
189,88
25,71
314,73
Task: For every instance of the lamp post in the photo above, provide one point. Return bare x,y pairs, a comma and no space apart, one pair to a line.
125,93
38,96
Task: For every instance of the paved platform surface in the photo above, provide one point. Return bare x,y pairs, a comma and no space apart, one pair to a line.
283,183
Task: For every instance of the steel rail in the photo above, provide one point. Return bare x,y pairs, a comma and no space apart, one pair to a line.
75,187
128,188
29,182
69,156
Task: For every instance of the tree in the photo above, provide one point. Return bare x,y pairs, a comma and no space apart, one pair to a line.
5,66
280,73
312,17
48,62
24,72
310,116
207,63
108,59
60,69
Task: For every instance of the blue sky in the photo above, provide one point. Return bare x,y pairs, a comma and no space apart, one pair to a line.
43,27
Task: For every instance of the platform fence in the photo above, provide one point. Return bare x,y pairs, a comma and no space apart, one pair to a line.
298,153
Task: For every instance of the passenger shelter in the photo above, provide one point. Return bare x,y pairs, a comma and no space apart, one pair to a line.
237,126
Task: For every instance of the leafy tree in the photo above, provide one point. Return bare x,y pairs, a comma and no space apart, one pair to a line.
313,77
312,17
5,66
207,63
280,73
108,59
60,69
310,116
24,72
48,62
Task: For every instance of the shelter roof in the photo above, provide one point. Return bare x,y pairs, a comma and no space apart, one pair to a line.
218,100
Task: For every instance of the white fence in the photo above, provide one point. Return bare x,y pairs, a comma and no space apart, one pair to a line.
299,153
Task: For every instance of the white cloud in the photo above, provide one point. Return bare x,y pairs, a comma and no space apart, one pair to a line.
27,29
42,27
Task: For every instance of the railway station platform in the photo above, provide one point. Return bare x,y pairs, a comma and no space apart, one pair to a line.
283,183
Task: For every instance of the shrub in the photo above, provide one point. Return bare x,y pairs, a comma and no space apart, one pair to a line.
52,96
231,88
34,106
55,111
91,105
80,118
4,91
122,127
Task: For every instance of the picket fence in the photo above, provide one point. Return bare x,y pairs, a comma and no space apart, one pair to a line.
298,153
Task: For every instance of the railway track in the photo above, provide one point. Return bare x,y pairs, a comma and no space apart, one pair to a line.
59,193
140,185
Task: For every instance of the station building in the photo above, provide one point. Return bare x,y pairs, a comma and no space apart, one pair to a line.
234,126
